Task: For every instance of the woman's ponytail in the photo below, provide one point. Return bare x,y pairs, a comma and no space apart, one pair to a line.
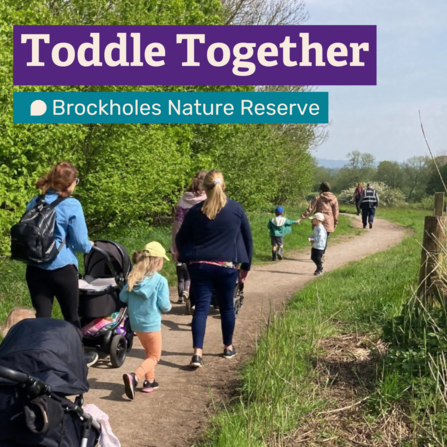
214,186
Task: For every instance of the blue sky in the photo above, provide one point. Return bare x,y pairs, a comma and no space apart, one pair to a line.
412,75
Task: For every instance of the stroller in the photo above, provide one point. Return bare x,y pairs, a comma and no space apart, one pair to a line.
48,366
238,300
104,318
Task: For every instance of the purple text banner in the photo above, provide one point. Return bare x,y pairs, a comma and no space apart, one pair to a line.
195,55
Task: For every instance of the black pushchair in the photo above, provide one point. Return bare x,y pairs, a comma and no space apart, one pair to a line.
103,316
41,364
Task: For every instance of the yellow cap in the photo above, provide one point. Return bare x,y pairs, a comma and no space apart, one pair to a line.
156,250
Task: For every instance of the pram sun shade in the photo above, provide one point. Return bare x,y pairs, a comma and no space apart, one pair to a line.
49,352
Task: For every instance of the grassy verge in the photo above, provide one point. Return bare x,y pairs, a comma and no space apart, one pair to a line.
286,393
14,291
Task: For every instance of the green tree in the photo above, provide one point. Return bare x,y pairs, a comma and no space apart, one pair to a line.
416,172
389,172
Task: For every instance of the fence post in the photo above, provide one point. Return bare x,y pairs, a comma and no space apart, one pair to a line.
432,248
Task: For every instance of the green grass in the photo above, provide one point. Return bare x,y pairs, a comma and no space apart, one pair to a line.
14,291
278,390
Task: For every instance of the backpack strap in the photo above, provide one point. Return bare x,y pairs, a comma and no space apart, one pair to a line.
54,204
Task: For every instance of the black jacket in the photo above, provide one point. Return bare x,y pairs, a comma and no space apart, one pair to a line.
225,238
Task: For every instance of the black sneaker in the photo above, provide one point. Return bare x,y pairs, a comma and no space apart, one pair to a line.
90,358
148,387
130,383
180,300
370,226
196,361
229,353
318,273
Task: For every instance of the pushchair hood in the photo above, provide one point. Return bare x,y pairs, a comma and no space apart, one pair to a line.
49,350
110,261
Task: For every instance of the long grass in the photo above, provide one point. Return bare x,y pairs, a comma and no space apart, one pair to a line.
279,391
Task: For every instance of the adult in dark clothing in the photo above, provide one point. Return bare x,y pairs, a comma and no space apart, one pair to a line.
368,204
357,197
215,237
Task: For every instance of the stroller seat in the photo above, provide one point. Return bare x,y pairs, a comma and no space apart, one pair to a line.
96,284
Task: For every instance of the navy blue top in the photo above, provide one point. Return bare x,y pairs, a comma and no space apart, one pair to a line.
225,238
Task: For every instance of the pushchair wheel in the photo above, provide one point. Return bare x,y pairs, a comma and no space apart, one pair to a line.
118,350
188,308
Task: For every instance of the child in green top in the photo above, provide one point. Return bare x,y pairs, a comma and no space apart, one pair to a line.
279,226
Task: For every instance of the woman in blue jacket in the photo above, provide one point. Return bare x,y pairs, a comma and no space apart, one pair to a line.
59,278
214,239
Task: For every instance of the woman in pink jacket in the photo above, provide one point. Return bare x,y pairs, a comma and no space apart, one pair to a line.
195,194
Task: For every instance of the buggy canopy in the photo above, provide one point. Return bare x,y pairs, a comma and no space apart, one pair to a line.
47,349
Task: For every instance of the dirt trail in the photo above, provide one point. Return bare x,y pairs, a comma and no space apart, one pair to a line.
174,414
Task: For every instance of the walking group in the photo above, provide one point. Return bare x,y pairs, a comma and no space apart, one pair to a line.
211,246
366,202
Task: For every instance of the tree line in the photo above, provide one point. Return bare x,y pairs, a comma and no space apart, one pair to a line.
416,177
137,172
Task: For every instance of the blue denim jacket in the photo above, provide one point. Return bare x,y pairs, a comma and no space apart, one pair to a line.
320,237
71,226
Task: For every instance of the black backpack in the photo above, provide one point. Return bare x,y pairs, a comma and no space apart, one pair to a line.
32,239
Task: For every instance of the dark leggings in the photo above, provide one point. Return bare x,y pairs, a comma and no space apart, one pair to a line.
61,283
183,281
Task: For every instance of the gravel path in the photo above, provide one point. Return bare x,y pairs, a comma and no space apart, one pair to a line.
175,413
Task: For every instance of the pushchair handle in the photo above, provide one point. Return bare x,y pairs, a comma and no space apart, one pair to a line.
34,387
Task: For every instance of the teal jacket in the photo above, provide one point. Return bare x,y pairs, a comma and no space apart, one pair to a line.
148,299
280,226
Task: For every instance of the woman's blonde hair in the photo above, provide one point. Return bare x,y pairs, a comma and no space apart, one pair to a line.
360,185
214,186
144,266
17,314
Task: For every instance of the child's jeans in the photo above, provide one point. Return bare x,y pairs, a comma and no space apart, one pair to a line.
316,258
151,342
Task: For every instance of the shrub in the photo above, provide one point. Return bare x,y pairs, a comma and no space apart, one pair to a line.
388,197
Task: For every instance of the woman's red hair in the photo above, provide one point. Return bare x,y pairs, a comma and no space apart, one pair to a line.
59,178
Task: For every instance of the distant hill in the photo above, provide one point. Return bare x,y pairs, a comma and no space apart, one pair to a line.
331,164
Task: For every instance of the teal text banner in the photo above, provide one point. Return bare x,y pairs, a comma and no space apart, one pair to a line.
254,107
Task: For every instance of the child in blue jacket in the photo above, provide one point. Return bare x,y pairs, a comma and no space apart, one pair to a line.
147,296
279,226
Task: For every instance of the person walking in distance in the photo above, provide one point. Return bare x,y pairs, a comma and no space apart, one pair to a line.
327,204
278,227
369,203
357,197
318,241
